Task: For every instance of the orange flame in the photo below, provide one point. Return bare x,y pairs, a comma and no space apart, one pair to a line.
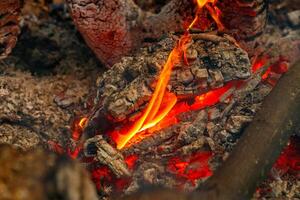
150,116
154,111
213,10
82,123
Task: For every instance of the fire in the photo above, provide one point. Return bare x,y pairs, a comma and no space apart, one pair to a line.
213,10
154,112
151,113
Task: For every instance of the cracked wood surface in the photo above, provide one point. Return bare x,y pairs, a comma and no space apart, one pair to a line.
128,85
116,28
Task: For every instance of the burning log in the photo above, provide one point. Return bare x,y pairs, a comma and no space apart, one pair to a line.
245,20
9,26
213,61
274,123
252,159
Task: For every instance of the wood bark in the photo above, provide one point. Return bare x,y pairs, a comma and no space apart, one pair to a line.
257,150
261,143
115,28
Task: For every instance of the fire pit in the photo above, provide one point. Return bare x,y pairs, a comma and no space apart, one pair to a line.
175,108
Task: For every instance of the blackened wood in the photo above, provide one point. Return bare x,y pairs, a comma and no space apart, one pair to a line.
260,145
257,150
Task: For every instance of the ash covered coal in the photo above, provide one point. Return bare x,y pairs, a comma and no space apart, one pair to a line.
167,153
219,90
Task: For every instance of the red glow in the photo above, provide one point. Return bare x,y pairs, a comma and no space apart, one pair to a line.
100,174
155,111
74,153
259,63
102,177
77,128
192,169
289,160
131,161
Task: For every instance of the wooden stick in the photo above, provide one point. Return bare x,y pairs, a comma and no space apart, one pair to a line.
260,144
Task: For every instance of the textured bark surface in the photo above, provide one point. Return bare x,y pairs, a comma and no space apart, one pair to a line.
245,20
251,160
107,155
9,25
128,86
255,157
114,28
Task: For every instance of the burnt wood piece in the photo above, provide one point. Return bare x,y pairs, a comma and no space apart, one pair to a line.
125,89
114,28
188,135
257,150
245,20
9,26
261,143
107,155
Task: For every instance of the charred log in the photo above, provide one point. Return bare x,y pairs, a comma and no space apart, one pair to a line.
274,123
128,86
252,159
115,28
106,155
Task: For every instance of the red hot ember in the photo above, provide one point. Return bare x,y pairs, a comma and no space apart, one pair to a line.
163,109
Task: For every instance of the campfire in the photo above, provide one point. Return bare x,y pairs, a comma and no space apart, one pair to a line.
187,87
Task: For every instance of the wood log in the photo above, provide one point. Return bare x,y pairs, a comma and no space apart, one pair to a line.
115,28
261,143
257,150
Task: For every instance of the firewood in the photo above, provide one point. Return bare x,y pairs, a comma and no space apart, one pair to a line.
251,159
107,155
124,89
273,124
116,28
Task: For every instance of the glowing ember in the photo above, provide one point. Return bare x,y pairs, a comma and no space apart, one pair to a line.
103,175
78,126
289,160
192,169
154,112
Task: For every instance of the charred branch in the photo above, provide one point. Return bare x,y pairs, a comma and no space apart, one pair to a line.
274,123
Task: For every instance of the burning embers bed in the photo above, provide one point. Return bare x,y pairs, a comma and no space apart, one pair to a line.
168,115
